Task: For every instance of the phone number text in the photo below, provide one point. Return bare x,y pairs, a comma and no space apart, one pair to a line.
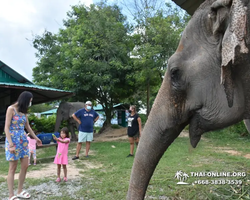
218,182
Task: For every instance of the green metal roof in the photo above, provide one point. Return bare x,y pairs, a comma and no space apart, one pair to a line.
49,112
8,74
119,106
33,86
12,84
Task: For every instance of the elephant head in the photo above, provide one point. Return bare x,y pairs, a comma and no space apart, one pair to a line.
64,112
206,85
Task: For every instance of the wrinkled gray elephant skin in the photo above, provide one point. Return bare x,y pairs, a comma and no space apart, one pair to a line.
64,112
207,85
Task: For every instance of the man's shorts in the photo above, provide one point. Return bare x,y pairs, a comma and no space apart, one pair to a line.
85,137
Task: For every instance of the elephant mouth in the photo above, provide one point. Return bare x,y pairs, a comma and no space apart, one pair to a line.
195,130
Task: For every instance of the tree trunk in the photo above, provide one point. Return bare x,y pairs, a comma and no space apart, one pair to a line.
107,122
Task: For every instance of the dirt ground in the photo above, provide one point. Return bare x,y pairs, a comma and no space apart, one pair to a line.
111,135
74,174
73,171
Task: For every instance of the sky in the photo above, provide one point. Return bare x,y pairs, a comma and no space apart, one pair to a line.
21,20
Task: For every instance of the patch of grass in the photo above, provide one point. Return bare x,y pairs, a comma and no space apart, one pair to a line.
202,159
109,178
3,163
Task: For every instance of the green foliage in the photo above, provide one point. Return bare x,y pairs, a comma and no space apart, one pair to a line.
90,56
40,108
157,37
143,118
99,56
43,124
236,130
97,129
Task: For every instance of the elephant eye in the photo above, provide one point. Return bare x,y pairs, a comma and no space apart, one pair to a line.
176,79
175,74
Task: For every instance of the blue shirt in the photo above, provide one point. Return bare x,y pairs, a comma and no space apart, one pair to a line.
87,119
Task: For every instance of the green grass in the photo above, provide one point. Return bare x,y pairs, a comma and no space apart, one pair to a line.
110,177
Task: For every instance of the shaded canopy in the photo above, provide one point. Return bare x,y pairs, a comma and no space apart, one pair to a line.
12,84
11,91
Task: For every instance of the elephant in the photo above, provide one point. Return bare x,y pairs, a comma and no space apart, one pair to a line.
64,112
206,85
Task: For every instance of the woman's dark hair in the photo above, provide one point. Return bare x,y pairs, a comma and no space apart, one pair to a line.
24,101
66,131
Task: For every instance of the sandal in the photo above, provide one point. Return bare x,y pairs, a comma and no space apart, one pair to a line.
24,195
58,180
14,198
65,179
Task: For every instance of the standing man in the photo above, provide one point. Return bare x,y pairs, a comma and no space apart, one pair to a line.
134,129
86,117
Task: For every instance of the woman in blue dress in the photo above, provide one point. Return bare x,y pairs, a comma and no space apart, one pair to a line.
16,143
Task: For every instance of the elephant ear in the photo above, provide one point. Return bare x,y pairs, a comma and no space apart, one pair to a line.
72,109
233,43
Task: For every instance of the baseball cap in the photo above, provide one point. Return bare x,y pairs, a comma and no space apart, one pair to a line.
88,103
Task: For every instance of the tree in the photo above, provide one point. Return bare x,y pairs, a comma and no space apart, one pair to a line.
158,30
90,56
40,108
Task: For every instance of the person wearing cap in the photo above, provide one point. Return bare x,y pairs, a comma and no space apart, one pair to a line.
86,117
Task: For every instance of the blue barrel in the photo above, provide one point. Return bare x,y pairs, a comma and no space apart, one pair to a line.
45,137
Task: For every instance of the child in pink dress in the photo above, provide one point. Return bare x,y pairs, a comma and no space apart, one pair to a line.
62,153
32,148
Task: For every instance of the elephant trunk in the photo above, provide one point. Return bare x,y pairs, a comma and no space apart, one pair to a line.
58,123
163,126
152,146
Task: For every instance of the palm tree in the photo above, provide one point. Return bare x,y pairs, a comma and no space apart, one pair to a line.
185,176
178,175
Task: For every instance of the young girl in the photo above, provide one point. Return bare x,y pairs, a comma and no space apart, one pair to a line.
32,148
62,153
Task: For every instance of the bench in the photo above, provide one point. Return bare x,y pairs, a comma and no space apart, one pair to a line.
46,145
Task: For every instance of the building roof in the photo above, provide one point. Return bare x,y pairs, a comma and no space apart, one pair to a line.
119,106
12,84
49,112
97,108
189,5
